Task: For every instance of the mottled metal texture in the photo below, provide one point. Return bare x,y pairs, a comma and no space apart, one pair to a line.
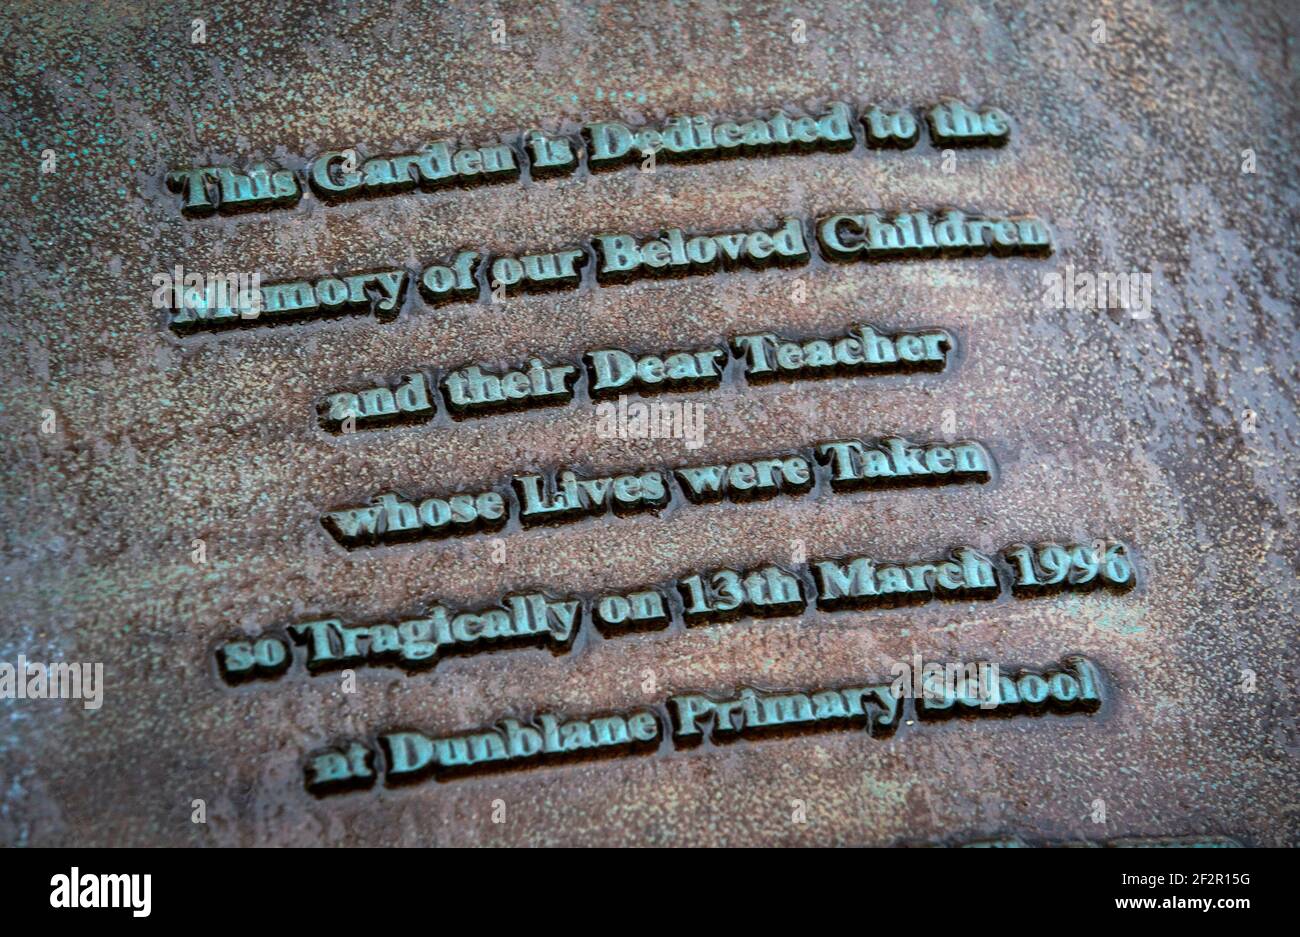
1101,424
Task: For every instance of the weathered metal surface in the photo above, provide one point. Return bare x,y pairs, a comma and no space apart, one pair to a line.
1102,424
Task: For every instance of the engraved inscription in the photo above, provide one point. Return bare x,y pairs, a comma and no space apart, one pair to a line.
707,598
564,496
337,175
685,720
621,257
477,390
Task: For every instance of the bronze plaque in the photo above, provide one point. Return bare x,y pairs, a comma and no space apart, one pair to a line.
718,424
